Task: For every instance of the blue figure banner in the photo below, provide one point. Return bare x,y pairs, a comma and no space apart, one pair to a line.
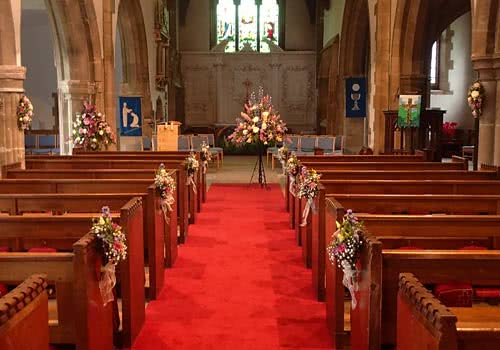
129,110
355,93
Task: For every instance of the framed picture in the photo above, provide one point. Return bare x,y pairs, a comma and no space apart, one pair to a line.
129,111
409,111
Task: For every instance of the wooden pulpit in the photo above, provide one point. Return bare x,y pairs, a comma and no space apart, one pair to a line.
425,137
167,136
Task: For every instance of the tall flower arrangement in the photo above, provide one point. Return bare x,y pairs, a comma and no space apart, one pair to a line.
113,248
344,250
24,112
91,131
308,189
259,123
476,99
192,166
165,185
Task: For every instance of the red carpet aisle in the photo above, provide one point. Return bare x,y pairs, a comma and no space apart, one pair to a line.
239,282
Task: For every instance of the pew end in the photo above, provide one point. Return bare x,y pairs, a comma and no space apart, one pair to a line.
24,318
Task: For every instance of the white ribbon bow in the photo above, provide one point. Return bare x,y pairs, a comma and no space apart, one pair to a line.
350,281
107,282
190,181
291,188
310,205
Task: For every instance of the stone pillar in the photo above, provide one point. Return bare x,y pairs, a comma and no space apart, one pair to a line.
72,94
109,66
496,160
11,138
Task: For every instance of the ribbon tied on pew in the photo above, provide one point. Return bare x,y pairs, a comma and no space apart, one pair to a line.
107,282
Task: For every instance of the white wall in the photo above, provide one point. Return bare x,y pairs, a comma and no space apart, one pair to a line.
460,76
38,58
333,20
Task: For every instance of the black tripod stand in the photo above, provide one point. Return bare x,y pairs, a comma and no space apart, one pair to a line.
259,166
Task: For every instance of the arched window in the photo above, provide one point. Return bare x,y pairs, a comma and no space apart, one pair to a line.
435,66
247,25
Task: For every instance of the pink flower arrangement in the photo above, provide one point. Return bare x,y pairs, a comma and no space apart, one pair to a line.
476,98
24,113
113,241
91,131
259,123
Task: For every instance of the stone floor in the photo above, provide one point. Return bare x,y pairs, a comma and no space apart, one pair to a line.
238,169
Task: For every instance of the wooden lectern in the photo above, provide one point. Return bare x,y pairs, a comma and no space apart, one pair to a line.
167,136
406,141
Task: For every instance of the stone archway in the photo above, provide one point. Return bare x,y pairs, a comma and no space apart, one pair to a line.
134,56
78,60
11,88
354,51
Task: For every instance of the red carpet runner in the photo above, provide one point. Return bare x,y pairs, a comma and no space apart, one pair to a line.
238,283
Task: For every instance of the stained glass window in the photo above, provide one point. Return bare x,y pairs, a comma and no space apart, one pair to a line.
248,26
226,28
269,19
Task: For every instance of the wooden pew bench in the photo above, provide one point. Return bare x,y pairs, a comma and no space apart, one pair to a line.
21,233
113,163
185,197
160,237
120,155
393,175
314,238
380,271
24,316
425,323
82,319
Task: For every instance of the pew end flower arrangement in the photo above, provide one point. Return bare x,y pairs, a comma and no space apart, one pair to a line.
476,99
292,171
112,246
344,251
24,112
91,131
308,189
192,166
205,156
283,157
165,186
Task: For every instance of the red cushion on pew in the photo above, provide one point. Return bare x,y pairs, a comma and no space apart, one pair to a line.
487,293
3,289
454,294
473,247
4,249
42,250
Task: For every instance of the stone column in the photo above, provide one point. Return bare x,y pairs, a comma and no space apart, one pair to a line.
72,94
487,120
11,138
496,160
109,66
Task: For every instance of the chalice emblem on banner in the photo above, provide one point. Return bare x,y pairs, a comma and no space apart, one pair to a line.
356,96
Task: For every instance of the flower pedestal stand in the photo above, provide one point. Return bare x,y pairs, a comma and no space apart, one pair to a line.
259,166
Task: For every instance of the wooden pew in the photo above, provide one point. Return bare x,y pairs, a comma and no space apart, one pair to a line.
378,284
114,163
425,323
59,232
160,238
360,166
369,175
82,319
87,185
185,198
24,317
314,238
146,155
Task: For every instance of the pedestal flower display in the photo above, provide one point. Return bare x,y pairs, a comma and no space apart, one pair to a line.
24,113
259,124
90,130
